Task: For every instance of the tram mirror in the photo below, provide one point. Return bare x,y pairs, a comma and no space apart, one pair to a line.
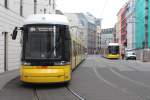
67,34
22,29
14,33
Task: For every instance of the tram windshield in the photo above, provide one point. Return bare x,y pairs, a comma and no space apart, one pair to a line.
43,42
113,49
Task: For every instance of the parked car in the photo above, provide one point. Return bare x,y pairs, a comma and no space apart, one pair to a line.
130,55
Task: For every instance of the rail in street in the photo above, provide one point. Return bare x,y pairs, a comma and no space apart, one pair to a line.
96,78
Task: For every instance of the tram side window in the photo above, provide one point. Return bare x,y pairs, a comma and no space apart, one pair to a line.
64,30
77,49
80,50
74,48
58,41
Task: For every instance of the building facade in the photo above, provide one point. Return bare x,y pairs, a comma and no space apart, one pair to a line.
122,28
12,13
142,29
91,33
89,29
134,29
78,26
130,17
84,27
118,27
98,37
106,37
115,34
140,23
125,27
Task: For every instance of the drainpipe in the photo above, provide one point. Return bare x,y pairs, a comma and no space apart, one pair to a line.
146,24
145,43
35,6
5,50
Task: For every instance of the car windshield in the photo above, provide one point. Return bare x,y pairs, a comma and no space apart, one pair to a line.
130,53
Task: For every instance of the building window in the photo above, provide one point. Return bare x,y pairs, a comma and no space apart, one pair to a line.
6,3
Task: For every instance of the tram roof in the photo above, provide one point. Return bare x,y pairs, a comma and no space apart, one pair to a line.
113,44
46,19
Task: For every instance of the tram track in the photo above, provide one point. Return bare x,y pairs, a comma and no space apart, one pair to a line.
75,93
36,95
123,88
39,92
72,92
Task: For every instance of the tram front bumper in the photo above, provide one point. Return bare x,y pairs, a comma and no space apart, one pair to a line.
115,56
45,75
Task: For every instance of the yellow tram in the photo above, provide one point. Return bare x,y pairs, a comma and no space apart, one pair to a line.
49,51
112,51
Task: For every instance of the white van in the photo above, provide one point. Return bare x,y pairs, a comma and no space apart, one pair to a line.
130,55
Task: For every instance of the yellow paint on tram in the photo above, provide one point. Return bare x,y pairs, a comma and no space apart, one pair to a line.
46,74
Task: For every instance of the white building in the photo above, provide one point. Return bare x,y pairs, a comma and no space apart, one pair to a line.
89,29
106,37
98,37
12,13
91,33
130,17
78,26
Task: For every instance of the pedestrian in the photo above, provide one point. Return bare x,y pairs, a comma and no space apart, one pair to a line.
122,53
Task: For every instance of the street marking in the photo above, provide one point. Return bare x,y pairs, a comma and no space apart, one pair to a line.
124,90
117,65
124,77
109,83
131,80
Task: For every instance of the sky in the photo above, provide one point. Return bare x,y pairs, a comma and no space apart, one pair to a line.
105,9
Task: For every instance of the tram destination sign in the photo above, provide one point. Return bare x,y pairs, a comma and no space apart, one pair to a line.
41,29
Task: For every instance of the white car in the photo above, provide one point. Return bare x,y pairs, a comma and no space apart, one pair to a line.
130,55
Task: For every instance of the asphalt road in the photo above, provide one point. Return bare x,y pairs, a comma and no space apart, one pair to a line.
96,78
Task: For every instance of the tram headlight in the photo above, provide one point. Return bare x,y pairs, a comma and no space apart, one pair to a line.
26,63
61,63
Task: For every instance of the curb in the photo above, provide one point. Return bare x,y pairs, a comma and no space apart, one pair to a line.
7,76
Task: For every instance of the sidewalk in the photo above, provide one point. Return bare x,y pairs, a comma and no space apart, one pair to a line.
7,76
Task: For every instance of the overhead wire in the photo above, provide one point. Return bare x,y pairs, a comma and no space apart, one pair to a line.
103,9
